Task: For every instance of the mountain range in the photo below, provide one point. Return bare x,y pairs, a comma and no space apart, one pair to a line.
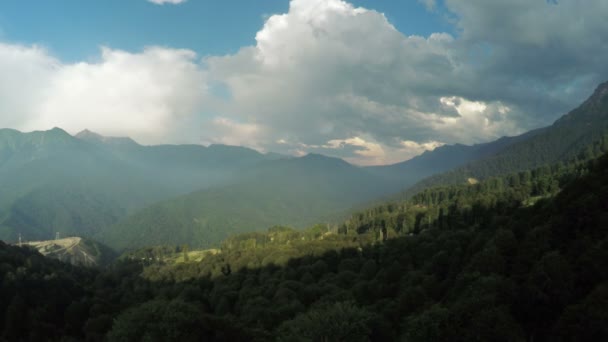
79,185
128,195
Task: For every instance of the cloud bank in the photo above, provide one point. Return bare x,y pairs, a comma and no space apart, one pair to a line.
330,77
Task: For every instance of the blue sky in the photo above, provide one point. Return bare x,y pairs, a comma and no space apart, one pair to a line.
370,81
74,29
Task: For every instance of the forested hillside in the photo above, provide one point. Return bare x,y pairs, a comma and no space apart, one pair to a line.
298,192
508,259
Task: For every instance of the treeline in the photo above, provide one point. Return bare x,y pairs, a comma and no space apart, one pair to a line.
431,208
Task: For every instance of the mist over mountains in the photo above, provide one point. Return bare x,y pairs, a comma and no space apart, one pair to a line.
82,185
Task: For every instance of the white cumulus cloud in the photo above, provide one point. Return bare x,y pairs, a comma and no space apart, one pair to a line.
329,71
152,95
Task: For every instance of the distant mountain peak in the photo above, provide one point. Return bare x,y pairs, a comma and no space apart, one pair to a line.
600,93
593,110
86,131
56,131
86,135
54,135
93,137
14,138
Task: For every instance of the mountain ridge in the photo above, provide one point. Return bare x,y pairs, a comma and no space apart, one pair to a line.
446,157
62,169
577,134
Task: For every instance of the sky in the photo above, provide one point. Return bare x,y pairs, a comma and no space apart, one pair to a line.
370,81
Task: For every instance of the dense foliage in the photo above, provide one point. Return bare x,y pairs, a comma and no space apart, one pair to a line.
42,298
507,259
